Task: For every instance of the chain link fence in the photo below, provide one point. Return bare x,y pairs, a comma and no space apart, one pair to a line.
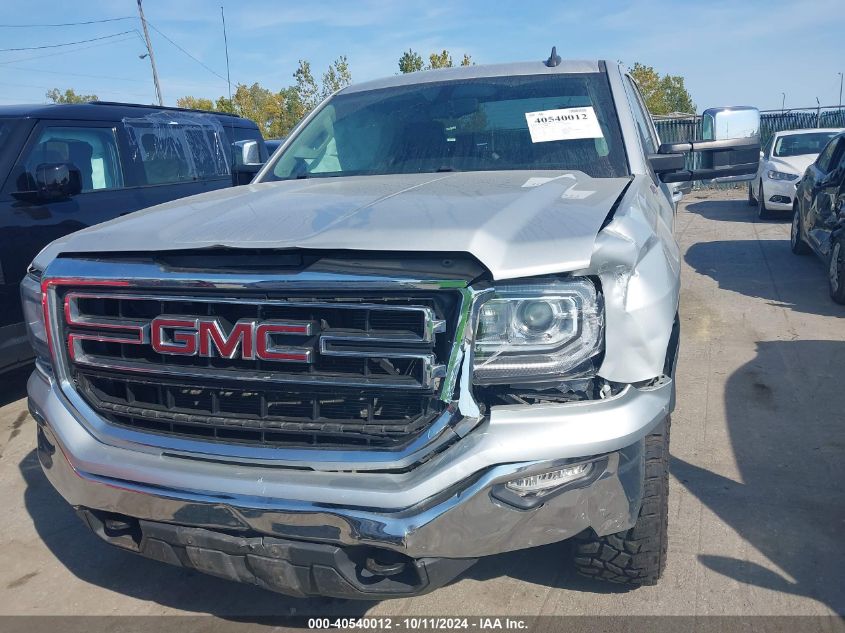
771,121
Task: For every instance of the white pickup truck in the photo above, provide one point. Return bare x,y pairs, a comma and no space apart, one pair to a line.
441,323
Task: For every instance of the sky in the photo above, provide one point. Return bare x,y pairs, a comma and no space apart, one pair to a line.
737,52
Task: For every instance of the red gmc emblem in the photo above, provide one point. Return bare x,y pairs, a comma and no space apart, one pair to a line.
248,339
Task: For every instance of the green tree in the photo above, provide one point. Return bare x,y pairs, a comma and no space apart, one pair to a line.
676,98
259,104
306,85
69,96
336,77
276,113
662,94
224,104
440,60
195,103
410,62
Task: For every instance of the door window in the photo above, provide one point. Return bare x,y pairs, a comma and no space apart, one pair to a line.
179,147
91,150
825,159
841,168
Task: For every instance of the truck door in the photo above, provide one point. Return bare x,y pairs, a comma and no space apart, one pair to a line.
649,142
30,222
828,172
14,346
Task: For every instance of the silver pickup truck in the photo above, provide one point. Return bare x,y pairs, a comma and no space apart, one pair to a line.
441,323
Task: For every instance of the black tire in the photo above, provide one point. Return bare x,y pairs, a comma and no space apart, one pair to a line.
752,201
796,233
637,556
762,211
836,271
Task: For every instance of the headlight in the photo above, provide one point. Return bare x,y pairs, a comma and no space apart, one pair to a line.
781,175
33,314
538,332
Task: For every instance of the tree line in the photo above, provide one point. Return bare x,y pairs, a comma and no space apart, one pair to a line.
277,112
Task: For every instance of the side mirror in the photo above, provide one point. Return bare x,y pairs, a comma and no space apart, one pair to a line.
731,123
728,152
247,160
247,154
53,181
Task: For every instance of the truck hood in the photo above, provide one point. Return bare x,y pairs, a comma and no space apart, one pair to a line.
516,223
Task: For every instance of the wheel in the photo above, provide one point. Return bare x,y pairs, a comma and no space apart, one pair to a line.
762,211
796,234
836,276
636,556
751,200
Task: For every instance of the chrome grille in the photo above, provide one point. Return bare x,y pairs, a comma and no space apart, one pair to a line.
374,365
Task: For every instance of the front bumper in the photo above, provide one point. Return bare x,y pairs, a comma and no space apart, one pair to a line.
778,194
445,508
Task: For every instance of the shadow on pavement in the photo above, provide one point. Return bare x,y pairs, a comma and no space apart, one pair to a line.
735,211
548,565
785,413
768,270
98,563
13,384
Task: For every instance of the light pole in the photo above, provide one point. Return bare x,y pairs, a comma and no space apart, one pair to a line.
150,52
782,102
840,90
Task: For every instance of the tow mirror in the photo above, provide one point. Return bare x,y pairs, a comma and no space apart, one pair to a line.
729,149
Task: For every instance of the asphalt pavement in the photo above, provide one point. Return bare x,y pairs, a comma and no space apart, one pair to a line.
757,503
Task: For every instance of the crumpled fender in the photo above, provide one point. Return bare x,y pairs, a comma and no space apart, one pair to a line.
638,262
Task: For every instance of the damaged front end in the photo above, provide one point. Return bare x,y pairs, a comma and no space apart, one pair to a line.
621,318
419,410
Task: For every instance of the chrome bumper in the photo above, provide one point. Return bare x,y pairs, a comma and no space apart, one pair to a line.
445,507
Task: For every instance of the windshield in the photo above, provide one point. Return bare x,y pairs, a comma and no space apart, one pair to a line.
552,122
799,144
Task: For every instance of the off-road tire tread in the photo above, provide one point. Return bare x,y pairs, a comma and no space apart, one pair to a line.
636,556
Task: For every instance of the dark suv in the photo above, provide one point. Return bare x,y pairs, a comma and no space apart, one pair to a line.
818,220
66,167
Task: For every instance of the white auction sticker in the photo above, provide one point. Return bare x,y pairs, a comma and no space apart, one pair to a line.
563,125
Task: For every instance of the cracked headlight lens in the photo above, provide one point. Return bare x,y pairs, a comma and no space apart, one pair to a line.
538,332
